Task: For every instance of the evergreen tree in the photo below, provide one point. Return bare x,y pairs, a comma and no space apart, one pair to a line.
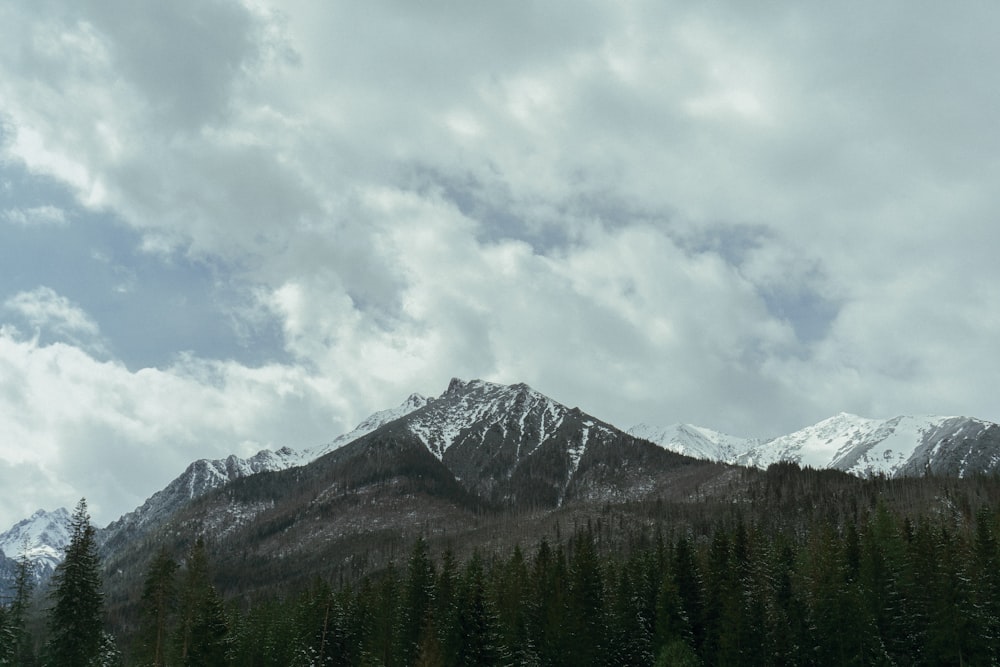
446,609
585,612
159,602
511,587
20,645
985,571
418,596
548,609
688,585
629,635
203,623
380,611
76,619
477,621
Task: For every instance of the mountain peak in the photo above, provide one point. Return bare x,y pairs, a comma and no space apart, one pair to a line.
415,401
459,386
41,537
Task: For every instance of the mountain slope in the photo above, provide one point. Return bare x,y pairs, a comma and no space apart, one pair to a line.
199,478
373,422
205,475
898,447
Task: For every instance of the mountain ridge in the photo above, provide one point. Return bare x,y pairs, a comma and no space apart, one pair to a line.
897,447
510,445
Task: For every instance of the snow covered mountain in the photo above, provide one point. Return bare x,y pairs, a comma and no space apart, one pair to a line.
513,445
477,464
696,441
486,433
41,537
487,443
897,447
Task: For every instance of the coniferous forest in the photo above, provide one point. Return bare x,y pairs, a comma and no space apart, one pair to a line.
875,592
812,569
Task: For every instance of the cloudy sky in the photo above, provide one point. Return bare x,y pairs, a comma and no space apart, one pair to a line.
233,225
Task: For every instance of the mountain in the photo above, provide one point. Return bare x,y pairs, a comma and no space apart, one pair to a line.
696,441
205,475
506,444
481,462
897,447
42,537
513,446
199,478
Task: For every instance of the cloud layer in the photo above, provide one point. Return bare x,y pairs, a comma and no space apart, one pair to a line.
747,219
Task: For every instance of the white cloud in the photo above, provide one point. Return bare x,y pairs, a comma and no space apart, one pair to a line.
77,426
43,308
745,218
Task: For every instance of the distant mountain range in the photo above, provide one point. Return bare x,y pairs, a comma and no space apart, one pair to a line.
898,447
478,447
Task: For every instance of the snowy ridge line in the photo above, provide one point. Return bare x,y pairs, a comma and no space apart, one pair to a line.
481,405
857,445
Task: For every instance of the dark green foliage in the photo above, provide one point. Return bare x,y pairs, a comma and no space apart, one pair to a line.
203,627
416,619
76,619
881,589
159,606
478,627
785,567
15,641
584,618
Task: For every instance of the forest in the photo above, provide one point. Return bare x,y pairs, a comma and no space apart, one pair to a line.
903,573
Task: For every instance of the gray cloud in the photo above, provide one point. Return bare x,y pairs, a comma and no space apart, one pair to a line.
184,58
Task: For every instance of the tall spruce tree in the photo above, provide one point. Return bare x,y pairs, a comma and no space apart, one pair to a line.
76,619
203,626
22,650
158,608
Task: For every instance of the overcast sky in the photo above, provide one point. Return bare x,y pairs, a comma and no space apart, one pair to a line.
229,225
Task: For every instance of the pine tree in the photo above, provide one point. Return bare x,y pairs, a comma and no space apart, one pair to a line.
76,619
547,613
418,596
476,619
203,626
688,584
585,616
20,647
446,608
159,603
